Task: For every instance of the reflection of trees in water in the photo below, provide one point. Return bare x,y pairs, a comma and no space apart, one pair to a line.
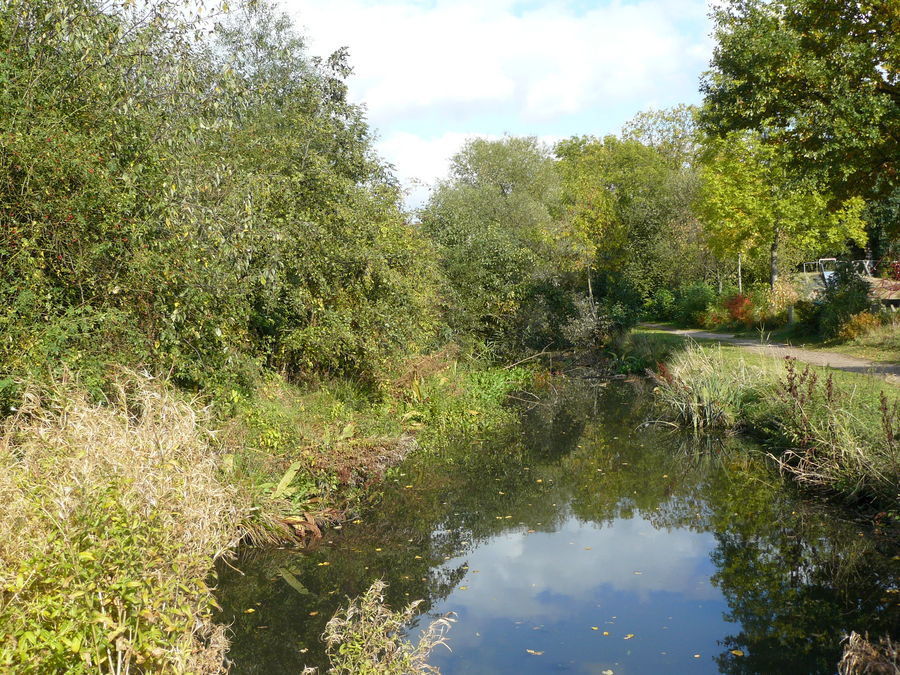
795,574
797,578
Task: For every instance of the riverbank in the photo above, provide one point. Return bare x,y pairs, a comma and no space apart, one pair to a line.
831,430
114,511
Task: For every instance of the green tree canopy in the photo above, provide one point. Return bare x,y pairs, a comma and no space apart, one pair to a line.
823,76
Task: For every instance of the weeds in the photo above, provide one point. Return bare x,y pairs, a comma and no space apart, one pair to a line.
112,516
825,431
366,638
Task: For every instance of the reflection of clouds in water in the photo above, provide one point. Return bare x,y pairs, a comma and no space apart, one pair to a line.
539,576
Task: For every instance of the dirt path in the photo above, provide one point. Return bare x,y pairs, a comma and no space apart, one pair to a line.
851,364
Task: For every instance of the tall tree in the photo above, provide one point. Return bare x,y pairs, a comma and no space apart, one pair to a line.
752,205
823,76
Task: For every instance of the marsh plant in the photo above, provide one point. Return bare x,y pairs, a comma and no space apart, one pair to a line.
367,638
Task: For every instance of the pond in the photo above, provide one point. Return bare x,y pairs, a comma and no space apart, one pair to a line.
579,540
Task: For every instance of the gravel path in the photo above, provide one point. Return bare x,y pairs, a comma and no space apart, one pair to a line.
851,364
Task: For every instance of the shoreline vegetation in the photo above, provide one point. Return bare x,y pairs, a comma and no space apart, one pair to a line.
115,511
832,431
219,324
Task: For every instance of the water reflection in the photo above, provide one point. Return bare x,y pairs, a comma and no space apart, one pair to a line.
575,520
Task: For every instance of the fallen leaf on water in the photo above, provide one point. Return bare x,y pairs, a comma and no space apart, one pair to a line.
606,632
587,548
539,481
737,652
696,656
463,588
607,672
407,486
629,636
304,650
418,557
313,613
249,611
378,549
638,573
531,651
595,627
323,564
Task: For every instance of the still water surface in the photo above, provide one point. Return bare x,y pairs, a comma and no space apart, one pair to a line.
578,541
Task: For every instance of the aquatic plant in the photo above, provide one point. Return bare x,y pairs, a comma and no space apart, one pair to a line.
366,638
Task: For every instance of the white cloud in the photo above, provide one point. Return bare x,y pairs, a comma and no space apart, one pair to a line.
434,72
411,57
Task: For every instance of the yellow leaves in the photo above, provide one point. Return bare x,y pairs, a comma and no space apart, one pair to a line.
737,652
606,632
249,610
463,588
606,672
534,652
629,636
595,627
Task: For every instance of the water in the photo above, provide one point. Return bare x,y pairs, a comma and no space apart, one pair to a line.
579,542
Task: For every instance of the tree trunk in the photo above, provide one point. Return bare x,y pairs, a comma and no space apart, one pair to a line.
740,280
590,288
773,261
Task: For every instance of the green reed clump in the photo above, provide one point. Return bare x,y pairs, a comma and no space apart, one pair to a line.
835,431
704,390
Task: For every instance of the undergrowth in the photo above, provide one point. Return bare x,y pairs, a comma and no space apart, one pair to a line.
113,510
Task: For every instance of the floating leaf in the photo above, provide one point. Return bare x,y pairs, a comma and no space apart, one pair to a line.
595,627
249,611
629,636
535,653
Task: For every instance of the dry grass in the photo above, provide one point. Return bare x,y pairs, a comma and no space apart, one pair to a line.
861,657
76,478
367,637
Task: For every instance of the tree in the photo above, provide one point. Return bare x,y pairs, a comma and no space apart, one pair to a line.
494,222
751,204
628,205
822,76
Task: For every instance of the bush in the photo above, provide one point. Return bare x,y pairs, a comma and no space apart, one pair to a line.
367,638
692,301
715,317
739,307
858,325
661,306
597,324
846,295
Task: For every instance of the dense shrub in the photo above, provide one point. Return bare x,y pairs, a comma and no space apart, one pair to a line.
597,324
858,325
739,307
692,300
846,295
661,305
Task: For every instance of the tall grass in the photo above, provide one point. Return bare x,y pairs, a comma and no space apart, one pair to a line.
835,431
110,517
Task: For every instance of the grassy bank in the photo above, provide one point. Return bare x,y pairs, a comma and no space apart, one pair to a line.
113,511
831,430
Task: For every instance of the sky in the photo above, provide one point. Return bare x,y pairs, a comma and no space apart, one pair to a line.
433,73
